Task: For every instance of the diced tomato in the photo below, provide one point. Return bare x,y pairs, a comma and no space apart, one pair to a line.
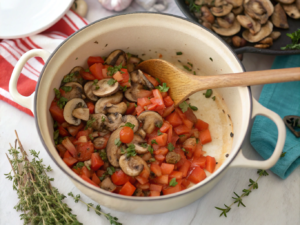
190,115
163,179
126,135
56,112
125,76
118,76
96,179
168,101
145,186
152,80
170,135
185,183
103,144
73,130
96,70
63,132
104,72
174,119
130,108
144,94
185,168
143,101
132,180
139,109
162,139
164,94
175,174
83,133
159,103
145,173
141,180
127,84
152,107
67,155
61,149
84,177
85,171
155,187
201,125
161,151
119,177
190,146
196,175
182,129
85,150
97,161
205,136
128,189
70,161
157,94
94,59
154,193
210,164
91,107
168,111
198,152
200,161
167,168
156,169
174,139
172,190
165,127
100,173
70,147
77,170
87,75
184,119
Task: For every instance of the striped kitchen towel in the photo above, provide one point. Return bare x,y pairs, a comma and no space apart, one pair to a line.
12,49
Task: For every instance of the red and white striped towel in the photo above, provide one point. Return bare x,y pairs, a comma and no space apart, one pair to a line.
12,50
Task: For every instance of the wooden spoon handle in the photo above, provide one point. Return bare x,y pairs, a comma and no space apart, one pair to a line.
249,78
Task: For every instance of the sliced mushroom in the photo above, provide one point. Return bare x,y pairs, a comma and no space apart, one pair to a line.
81,113
238,41
279,18
141,132
261,46
113,151
132,93
150,120
140,144
138,192
238,10
116,57
236,3
87,163
259,9
113,121
133,165
100,121
103,89
100,106
207,16
252,25
286,1
69,107
292,11
220,3
221,10
265,31
132,61
75,92
297,2
130,119
88,90
226,21
235,28
267,40
99,143
108,185
74,76
207,25
275,35
118,108
138,76
172,157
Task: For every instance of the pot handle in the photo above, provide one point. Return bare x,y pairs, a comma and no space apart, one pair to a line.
241,161
24,101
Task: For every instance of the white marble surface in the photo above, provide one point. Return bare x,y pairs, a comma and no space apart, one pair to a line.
275,202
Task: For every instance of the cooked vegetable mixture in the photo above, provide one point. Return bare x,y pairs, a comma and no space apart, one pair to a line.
117,128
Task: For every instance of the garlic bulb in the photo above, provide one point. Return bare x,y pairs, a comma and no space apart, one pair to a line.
115,5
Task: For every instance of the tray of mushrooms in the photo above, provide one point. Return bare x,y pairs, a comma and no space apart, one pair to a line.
247,25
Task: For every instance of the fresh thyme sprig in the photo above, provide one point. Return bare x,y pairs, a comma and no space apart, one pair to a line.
238,199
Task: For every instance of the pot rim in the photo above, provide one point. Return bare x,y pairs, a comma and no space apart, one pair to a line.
114,195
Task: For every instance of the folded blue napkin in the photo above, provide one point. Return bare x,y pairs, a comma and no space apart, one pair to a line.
284,99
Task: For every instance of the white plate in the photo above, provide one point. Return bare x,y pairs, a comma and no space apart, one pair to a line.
21,18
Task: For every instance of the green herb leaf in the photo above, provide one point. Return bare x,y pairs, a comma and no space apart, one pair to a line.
112,70
183,106
282,154
150,149
128,124
214,98
111,82
173,182
55,136
103,155
181,135
208,93
154,142
295,38
159,133
178,53
183,149
102,119
90,122
151,160
91,137
190,64
144,145
194,72
110,170
158,80
163,88
170,147
87,70
66,88
95,81
57,93
194,108
211,59
224,211
118,142
130,151
123,88
187,68
159,124
62,102
55,124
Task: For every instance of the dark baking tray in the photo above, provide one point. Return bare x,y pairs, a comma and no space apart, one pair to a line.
282,41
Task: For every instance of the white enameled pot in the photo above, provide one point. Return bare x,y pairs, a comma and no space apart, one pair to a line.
150,34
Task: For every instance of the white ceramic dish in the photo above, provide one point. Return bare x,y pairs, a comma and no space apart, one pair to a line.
24,18
150,34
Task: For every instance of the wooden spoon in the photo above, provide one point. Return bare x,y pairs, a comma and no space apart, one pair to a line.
183,84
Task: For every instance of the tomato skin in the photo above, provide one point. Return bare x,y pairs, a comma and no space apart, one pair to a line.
161,151
210,164
85,171
126,135
83,133
143,101
118,76
145,186
165,127
63,132
128,189
87,75
141,180
162,139
61,149
56,112
119,177
175,174
163,179
85,150
73,130
94,59
96,71
96,160
196,175
91,107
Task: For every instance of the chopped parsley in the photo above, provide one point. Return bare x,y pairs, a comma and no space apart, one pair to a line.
282,154
88,167
190,64
178,53
57,93
182,135
159,125
130,151
171,147
95,82
87,70
194,108
90,122
151,160
208,93
55,136
112,70
197,140
163,88
55,124
110,170
144,145
187,68
194,72
128,55
118,142
154,142
183,106
295,37
103,155
158,80
111,82
211,59
78,165
173,182
159,133
214,98
61,102
128,124
123,88
183,149
91,137
68,78
66,88
150,149
102,119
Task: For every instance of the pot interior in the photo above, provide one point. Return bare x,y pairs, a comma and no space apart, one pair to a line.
151,35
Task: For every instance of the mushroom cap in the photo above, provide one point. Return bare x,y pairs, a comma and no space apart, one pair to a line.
88,90
118,108
297,2
249,23
116,57
100,121
69,107
226,21
137,141
207,16
279,18
100,106
141,133
132,93
286,1
133,165
235,3
99,142
81,113
238,10
138,76
113,121
76,91
265,31
275,34
104,88
75,75
292,11
150,120
108,185
259,9
235,28
113,152
221,10
130,119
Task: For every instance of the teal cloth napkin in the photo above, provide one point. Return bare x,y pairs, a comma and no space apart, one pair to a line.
284,99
